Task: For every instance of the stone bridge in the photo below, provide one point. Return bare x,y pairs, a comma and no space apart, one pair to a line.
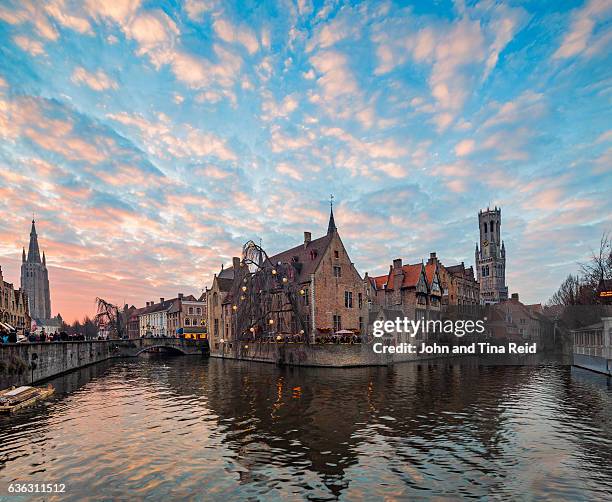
135,347
25,363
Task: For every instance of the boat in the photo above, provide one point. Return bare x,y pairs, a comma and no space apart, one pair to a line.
16,398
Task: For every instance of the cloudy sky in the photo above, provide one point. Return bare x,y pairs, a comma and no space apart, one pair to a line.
151,139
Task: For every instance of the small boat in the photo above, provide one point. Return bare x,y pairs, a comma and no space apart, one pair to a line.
15,398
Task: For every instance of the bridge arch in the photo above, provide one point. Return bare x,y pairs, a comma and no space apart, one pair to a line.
167,348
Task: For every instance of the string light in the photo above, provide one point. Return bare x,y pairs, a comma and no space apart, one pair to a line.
271,322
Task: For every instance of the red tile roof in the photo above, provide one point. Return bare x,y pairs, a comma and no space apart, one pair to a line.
412,273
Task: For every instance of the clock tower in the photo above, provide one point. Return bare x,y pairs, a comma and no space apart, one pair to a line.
490,259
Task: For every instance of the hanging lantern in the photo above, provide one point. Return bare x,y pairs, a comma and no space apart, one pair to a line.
246,346
271,322
234,307
242,297
273,271
285,280
252,330
302,292
244,288
301,332
279,338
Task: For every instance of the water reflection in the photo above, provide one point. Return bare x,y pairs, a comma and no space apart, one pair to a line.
186,427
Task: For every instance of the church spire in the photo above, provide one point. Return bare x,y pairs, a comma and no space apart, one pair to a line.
33,251
44,259
331,227
23,256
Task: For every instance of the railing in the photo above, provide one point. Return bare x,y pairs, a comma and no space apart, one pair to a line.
599,351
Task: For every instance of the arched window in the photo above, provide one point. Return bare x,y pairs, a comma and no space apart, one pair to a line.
215,299
485,225
492,226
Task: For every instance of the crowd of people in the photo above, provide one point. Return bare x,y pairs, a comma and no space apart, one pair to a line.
62,336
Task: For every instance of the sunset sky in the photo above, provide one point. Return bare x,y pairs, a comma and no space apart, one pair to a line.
152,139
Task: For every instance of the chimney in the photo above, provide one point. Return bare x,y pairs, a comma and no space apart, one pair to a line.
180,296
432,258
397,263
161,300
515,297
307,238
146,304
236,263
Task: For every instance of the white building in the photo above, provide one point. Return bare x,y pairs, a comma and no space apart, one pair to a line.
153,321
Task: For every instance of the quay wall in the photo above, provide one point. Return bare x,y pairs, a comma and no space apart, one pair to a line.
26,363
326,355
594,363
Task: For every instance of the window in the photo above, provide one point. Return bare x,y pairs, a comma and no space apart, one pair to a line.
190,310
199,311
360,300
216,327
337,322
348,299
485,226
361,325
306,296
187,322
336,254
215,299
337,271
313,254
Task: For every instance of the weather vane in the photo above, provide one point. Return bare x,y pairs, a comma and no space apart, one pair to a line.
331,201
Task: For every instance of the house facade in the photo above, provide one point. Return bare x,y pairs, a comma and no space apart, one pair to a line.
13,307
331,296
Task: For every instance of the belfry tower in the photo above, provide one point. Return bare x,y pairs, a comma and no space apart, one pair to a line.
35,279
490,259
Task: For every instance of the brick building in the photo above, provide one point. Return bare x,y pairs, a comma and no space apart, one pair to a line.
13,307
187,315
332,295
215,296
459,286
415,290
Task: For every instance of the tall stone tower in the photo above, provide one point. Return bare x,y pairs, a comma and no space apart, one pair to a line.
35,279
490,259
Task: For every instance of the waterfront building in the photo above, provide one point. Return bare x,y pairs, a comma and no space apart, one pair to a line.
133,323
13,307
332,299
215,296
490,258
35,279
593,346
153,320
518,320
415,290
459,287
187,316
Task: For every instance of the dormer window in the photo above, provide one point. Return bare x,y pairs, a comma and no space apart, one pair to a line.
336,254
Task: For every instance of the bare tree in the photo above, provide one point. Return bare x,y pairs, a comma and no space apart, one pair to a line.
599,267
569,293
109,318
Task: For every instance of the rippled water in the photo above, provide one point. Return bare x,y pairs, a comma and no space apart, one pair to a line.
212,429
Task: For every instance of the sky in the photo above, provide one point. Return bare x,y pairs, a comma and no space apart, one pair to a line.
151,140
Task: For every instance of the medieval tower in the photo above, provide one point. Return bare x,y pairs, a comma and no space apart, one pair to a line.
35,280
490,259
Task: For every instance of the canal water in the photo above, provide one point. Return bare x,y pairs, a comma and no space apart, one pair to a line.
185,427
